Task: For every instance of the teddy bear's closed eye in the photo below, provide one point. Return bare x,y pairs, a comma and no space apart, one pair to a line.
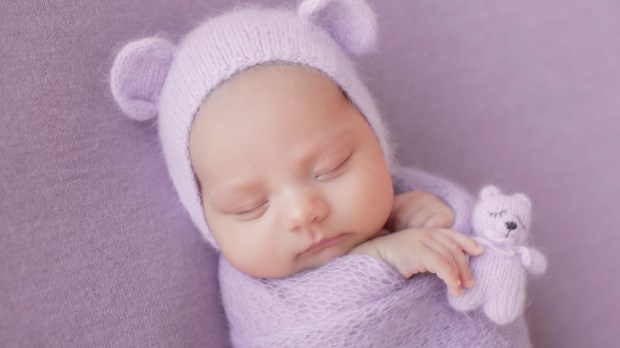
498,214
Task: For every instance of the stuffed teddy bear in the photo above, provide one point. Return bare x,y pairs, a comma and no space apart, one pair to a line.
501,223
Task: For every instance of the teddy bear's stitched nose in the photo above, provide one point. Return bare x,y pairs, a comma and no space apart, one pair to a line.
511,225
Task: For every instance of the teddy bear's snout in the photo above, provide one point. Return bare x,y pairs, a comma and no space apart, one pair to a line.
511,225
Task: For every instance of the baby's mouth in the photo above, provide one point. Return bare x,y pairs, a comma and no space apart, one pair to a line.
325,242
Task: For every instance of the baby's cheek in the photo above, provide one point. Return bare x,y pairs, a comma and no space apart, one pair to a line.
381,190
374,197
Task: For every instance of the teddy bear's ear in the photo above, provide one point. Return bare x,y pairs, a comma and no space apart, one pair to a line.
523,200
490,191
352,23
138,75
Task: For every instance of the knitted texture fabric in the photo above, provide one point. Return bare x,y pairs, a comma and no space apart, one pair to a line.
359,301
501,223
154,77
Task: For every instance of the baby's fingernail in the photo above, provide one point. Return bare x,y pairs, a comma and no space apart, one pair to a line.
470,283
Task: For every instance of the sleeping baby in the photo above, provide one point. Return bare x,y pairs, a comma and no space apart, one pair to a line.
284,163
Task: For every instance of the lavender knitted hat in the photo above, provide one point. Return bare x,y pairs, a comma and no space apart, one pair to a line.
152,76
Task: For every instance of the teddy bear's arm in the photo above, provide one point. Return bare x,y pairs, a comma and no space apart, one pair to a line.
533,260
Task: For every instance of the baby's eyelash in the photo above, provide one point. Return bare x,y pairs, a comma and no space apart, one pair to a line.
250,211
340,165
498,214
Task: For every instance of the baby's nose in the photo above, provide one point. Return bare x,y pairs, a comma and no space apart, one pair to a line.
511,225
306,209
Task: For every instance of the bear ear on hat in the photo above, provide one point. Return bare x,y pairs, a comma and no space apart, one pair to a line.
352,23
138,74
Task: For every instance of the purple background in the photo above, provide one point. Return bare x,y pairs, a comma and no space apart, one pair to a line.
96,251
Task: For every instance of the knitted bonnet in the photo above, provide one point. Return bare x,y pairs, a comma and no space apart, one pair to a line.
154,77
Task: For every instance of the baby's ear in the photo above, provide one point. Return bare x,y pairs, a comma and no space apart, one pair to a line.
352,23
138,74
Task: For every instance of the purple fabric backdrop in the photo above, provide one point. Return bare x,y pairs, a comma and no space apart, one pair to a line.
94,252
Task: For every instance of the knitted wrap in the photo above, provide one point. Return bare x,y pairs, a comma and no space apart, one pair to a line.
154,77
354,301
359,301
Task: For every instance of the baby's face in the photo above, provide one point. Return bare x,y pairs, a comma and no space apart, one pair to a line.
291,173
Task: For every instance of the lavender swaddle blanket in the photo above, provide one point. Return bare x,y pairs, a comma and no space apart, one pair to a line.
359,301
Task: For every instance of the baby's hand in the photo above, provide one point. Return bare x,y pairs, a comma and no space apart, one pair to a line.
439,251
416,209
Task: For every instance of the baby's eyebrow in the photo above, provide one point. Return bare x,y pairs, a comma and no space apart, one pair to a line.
338,139
229,191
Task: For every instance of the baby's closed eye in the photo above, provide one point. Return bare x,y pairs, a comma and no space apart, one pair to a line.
252,211
333,167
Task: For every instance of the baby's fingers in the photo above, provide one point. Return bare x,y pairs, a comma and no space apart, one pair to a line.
467,244
408,217
460,260
440,219
419,219
446,253
441,266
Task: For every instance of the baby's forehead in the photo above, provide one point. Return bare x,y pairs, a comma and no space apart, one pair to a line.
272,146
268,114
225,160
292,78
263,93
